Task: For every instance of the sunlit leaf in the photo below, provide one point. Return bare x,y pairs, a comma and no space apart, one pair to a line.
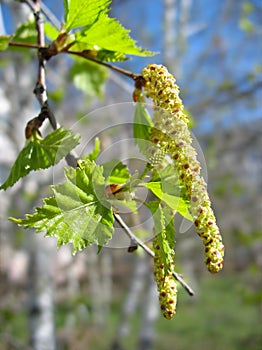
78,212
41,154
82,13
96,151
142,127
164,230
108,34
175,202
116,172
50,31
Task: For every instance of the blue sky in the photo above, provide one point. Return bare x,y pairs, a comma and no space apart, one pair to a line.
221,51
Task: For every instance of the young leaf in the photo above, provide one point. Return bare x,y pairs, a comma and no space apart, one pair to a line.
89,77
116,172
78,212
108,34
82,13
142,127
96,151
50,31
4,41
41,154
176,203
165,232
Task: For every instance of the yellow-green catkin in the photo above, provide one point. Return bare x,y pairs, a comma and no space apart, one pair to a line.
166,284
171,134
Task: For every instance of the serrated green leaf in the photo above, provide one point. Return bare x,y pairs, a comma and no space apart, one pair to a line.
96,151
142,127
4,41
41,154
78,212
176,203
89,77
108,34
82,13
116,172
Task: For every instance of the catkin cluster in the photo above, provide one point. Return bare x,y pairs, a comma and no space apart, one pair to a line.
165,283
171,134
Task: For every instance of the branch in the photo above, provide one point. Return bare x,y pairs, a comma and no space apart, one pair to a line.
40,87
28,46
150,252
87,56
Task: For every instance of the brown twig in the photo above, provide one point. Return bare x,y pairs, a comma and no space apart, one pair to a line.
87,56
40,87
27,46
133,237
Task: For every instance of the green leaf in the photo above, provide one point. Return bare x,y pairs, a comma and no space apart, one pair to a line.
116,172
4,41
108,34
165,233
82,13
122,205
78,212
167,190
89,77
50,31
96,151
142,127
41,154
110,56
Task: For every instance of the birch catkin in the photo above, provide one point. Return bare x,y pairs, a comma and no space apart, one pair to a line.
171,134
166,284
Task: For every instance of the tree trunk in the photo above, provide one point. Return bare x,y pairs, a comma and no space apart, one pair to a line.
41,291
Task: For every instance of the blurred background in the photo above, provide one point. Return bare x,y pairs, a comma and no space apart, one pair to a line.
52,300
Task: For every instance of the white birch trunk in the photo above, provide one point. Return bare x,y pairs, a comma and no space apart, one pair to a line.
41,294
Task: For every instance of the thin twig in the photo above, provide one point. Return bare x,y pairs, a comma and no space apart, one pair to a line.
132,236
28,46
110,66
40,87
150,252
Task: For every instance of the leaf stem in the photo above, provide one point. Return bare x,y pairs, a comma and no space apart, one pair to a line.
133,237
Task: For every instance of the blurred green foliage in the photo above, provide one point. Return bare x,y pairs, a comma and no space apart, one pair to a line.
219,317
